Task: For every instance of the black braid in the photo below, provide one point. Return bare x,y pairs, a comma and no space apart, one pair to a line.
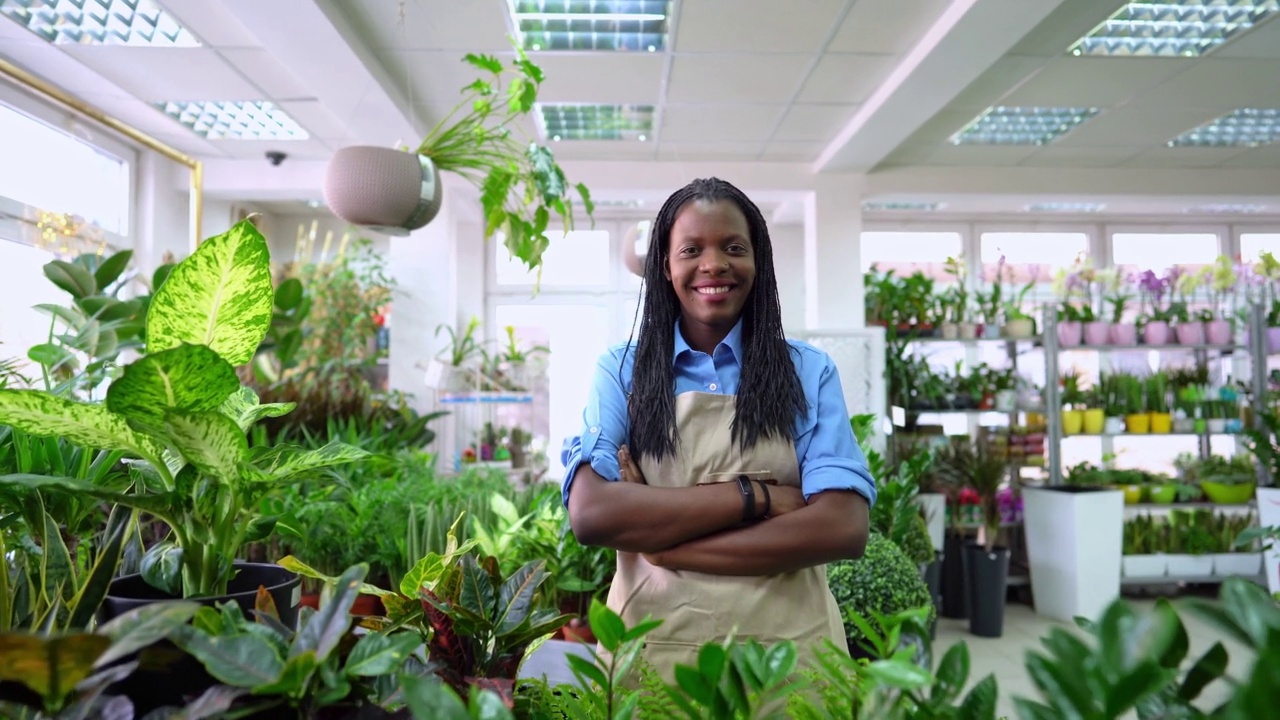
770,397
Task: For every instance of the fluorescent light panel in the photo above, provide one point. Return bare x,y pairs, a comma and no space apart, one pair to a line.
99,22
596,122
218,120
1226,208
1246,127
901,206
639,25
1173,28
1066,207
1022,125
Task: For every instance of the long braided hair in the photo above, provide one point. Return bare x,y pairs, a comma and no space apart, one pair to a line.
769,393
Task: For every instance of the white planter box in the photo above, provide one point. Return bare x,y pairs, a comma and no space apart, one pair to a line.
1074,541
1195,566
1145,566
1269,516
935,513
1246,565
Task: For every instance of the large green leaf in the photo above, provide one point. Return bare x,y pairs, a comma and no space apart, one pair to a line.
159,504
210,441
334,453
430,699
110,549
188,377
143,626
93,426
71,277
50,666
378,654
111,268
221,296
246,661
515,597
323,630
243,407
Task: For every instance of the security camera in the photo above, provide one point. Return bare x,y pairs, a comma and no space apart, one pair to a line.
275,157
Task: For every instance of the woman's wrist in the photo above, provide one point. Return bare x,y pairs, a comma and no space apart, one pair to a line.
764,503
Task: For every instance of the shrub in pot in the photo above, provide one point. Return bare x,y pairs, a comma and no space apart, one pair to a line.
180,415
884,580
1144,542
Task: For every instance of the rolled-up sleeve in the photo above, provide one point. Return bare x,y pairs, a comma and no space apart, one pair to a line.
830,458
604,421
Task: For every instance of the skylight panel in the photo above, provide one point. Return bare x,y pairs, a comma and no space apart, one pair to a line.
637,25
1022,125
1246,127
1173,28
596,122
217,120
99,22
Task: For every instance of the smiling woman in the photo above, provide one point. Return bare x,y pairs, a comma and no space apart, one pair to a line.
717,456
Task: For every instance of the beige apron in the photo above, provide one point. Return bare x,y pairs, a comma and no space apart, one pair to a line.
697,608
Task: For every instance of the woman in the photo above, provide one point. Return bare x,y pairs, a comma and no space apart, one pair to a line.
740,476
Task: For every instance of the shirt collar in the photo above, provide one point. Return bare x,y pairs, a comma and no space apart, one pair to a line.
732,342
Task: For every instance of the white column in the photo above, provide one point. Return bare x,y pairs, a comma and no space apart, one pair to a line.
424,266
832,253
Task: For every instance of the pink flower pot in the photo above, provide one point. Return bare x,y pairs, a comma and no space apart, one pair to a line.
1070,334
1273,339
1218,332
1156,332
1124,334
1190,333
1097,333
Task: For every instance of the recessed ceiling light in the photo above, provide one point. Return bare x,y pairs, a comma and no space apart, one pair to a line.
1022,125
218,120
901,206
1067,207
1226,208
99,22
596,122
1246,127
591,24
313,203
1173,28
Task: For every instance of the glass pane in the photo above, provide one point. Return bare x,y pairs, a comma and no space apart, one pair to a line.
1158,251
1031,257
907,252
577,336
22,287
48,169
579,257
1254,244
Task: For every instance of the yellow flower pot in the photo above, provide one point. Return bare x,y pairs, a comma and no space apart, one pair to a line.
1139,424
1072,422
1161,423
1094,420
1132,494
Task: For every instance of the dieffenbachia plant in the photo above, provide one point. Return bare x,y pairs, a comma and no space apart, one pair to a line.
180,415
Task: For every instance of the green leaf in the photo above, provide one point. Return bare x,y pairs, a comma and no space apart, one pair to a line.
246,661
484,62
71,277
93,426
161,274
158,505
161,568
640,630
52,356
586,670
325,629
289,294
50,666
72,316
106,561
112,268
334,453
487,705
377,654
1029,710
1064,690
430,699
1176,643
210,441
189,377
243,407
515,597
980,703
143,626
1211,666
55,561
1138,684
953,673
221,296
587,204
899,673
294,678
694,685
607,625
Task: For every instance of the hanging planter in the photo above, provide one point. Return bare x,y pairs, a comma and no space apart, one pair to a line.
384,189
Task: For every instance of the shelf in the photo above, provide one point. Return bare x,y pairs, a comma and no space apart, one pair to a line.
1150,435
1156,348
486,398
1190,579
975,341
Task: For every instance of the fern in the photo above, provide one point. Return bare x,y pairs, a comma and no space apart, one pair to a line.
655,701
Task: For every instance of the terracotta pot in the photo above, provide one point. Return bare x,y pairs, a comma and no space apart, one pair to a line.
1190,333
1070,334
1097,333
1156,332
1123,334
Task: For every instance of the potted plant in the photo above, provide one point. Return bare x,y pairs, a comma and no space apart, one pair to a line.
1117,293
1113,403
991,302
519,365
1157,387
1221,282
1072,401
1144,548
883,581
180,413
1095,418
986,564
1137,420
1191,544
1189,328
1232,558
1155,318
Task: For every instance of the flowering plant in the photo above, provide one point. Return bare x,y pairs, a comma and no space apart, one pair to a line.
1222,279
959,295
1154,291
1267,275
1074,289
989,302
1115,289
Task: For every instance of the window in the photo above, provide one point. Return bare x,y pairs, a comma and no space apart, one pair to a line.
576,258
48,169
907,251
1138,251
22,287
1030,257
1252,245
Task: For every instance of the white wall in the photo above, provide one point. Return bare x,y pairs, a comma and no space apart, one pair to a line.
788,261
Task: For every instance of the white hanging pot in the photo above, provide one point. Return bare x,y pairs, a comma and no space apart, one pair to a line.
635,247
387,190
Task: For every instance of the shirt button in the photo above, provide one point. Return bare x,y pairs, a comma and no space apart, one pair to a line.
712,386
595,430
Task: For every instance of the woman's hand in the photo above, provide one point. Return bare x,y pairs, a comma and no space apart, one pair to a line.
628,469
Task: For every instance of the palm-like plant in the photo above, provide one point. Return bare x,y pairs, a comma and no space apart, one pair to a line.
980,466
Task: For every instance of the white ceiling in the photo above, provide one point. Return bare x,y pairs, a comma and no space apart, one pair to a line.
874,86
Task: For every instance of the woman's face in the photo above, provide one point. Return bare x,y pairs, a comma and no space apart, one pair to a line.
711,263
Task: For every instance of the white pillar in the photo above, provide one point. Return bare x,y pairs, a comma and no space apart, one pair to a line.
424,268
832,253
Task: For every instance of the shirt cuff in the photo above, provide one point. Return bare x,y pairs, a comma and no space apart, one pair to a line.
604,465
839,478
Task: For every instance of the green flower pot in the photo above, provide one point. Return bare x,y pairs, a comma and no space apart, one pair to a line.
1163,494
1224,494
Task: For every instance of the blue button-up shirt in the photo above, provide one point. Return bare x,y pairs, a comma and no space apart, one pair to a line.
828,453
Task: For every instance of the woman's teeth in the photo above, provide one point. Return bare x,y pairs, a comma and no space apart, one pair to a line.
714,290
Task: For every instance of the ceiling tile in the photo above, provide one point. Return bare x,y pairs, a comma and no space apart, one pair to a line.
813,122
1264,157
136,113
792,151
681,151
256,150
1134,126
736,78
458,25
56,67
885,26
1005,74
981,155
1182,157
603,150
845,78
154,74
1262,41
942,126
909,155
761,26
617,78
1093,81
1080,156
212,22
430,78
719,123
315,118
1220,83
191,144
267,73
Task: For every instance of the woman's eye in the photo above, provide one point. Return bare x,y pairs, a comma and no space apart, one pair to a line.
739,249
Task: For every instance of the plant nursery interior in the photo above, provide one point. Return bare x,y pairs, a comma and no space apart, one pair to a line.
319,319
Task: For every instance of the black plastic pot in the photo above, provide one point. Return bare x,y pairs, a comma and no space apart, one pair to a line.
131,591
988,578
955,601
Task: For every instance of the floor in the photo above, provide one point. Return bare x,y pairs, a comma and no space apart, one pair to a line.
1003,656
